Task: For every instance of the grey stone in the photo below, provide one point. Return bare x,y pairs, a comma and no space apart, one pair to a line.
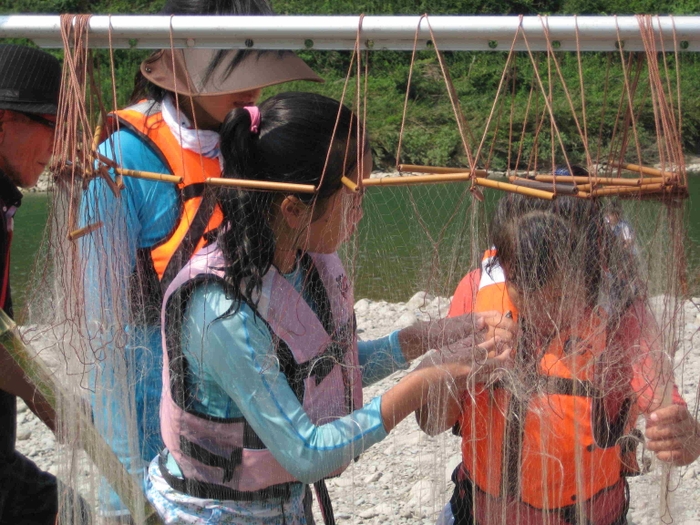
373,477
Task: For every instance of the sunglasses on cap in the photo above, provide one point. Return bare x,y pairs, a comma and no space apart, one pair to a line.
41,120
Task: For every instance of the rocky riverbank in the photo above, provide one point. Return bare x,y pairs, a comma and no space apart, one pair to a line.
405,479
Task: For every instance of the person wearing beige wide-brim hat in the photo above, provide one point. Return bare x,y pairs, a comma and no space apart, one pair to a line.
151,230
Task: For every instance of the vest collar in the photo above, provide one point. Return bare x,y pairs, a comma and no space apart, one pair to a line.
9,192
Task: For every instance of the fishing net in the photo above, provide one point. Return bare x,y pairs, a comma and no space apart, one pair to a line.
588,196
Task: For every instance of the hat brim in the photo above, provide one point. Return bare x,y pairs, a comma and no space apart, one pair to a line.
235,71
39,109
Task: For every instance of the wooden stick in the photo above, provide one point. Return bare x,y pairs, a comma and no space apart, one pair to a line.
598,180
148,175
102,172
558,187
417,179
97,449
82,232
644,170
616,190
262,185
412,168
98,133
504,186
106,160
585,187
348,183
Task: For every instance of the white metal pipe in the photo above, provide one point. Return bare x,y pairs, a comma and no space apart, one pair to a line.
596,33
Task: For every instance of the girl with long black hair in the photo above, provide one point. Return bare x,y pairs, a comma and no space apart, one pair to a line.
263,372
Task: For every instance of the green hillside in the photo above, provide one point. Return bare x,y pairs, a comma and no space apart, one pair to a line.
431,135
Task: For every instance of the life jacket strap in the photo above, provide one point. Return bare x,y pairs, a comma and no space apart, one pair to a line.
200,489
187,246
208,458
324,501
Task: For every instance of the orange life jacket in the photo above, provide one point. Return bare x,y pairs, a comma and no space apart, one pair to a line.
552,447
199,213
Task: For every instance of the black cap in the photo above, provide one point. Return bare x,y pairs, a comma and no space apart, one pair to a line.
30,80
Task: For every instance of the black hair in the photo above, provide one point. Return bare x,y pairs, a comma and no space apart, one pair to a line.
537,239
217,7
294,142
145,89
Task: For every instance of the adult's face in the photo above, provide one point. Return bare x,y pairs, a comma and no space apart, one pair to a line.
26,144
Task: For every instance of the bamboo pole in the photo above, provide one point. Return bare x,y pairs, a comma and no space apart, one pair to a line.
348,183
599,180
413,168
90,439
106,160
512,188
585,187
558,187
148,175
458,177
138,174
616,190
645,170
113,186
417,179
82,232
262,185
98,133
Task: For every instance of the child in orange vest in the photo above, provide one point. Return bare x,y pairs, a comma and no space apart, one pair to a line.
546,442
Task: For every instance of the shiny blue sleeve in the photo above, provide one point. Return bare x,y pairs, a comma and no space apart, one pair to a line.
139,216
237,354
380,358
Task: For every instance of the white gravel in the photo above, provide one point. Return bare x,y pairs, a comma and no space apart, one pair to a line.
406,478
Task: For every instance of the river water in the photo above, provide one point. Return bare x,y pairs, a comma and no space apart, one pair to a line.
410,239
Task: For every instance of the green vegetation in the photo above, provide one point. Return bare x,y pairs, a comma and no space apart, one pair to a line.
431,134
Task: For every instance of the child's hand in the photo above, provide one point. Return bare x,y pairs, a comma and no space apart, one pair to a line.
674,435
500,329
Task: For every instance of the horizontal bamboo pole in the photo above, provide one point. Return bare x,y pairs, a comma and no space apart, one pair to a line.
137,174
558,187
90,439
617,190
82,232
262,185
585,187
413,168
599,180
148,175
512,188
417,179
646,170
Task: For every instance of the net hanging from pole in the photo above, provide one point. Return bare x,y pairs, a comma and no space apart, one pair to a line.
582,193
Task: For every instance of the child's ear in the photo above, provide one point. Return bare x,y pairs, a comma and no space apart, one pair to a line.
295,212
